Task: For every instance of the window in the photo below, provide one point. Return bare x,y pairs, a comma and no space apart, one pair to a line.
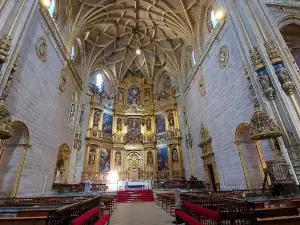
193,58
52,8
99,80
72,53
213,20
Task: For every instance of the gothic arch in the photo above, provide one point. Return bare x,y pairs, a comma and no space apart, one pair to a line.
287,20
252,164
62,164
13,158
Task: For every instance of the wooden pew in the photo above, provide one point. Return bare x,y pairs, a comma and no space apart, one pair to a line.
41,220
275,212
285,220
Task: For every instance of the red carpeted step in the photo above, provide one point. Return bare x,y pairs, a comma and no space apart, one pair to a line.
135,196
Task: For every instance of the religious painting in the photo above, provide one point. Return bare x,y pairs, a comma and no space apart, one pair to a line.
264,79
174,155
134,125
149,158
120,95
168,83
118,158
92,157
160,123
96,117
162,158
147,94
107,123
119,124
282,73
133,96
148,124
171,119
104,163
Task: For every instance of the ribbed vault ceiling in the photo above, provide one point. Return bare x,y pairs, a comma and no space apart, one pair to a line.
160,28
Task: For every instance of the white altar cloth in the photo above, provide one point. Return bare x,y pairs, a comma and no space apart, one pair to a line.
145,183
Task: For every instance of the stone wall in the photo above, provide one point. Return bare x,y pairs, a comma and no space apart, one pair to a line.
35,100
225,105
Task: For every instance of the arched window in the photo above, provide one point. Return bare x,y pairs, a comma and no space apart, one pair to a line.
213,20
72,53
193,58
52,8
97,82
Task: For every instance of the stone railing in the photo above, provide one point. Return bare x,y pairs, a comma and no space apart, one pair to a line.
279,171
288,3
182,184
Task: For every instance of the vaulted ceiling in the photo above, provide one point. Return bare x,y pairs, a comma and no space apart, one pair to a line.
116,28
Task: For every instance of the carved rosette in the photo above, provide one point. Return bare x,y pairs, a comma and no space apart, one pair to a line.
256,59
6,131
272,52
4,48
262,127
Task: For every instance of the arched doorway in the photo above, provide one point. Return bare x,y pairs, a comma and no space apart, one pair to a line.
250,156
291,35
13,158
62,164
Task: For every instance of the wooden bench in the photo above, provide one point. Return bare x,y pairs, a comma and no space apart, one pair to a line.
200,214
41,220
91,217
285,220
276,212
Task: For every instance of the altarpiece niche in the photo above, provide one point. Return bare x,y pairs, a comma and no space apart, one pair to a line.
138,137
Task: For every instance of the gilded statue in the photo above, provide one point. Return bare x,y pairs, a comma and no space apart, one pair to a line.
174,155
264,80
118,159
282,74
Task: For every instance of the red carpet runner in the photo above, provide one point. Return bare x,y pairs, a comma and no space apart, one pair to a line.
135,196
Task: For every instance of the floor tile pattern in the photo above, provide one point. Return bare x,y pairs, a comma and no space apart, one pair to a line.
140,214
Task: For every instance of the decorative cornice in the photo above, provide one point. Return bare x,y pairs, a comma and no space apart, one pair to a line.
61,46
284,3
211,39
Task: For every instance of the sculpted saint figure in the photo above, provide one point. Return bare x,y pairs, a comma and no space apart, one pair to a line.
264,80
282,74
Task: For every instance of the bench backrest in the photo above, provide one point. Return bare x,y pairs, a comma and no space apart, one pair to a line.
86,216
288,220
209,214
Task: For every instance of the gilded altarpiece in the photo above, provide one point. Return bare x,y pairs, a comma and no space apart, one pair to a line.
209,162
139,137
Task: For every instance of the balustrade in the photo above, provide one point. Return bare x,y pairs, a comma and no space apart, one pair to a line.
278,171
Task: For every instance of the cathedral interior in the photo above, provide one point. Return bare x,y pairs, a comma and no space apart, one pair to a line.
106,96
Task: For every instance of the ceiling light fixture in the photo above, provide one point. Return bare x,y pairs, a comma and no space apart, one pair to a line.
138,51
220,15
46,3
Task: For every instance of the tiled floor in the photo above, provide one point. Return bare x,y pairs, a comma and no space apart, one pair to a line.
140,214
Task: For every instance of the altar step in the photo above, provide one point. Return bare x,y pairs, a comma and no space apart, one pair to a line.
130,196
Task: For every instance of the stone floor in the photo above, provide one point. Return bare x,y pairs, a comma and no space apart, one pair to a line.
140,213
